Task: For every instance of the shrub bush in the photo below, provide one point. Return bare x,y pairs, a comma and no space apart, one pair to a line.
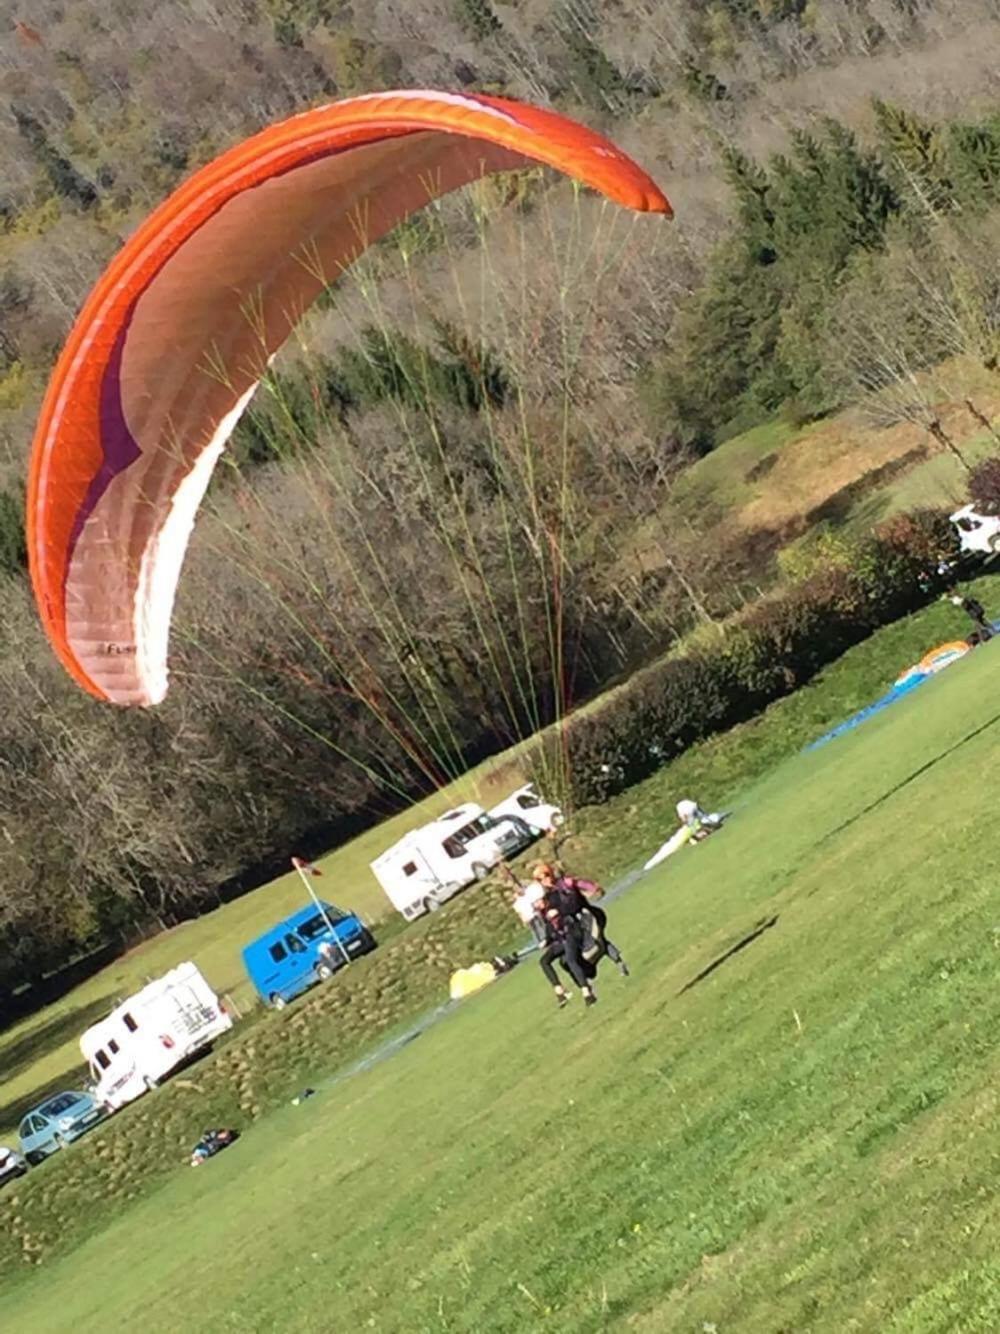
772,649
984,486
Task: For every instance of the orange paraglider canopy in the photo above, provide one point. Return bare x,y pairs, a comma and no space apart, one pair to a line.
178,331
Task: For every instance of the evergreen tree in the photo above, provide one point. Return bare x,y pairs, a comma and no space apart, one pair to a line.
749,182
66,181
719,374
13,548
596,81
479,17
918,155
974,151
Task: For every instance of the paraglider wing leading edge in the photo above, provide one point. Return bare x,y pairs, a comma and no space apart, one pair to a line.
175,336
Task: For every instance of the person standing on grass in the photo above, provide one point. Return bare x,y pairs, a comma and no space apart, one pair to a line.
565,902
525,903
975,610
526,907
564,942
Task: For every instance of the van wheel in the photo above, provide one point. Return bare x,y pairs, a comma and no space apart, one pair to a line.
431,905
480,871
277,1002
150,1084
34,1158
324,972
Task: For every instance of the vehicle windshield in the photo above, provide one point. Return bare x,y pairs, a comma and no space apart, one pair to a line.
482,824
63,1103
316,926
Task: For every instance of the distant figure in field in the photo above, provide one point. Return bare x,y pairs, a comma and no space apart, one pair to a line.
976,612
701,823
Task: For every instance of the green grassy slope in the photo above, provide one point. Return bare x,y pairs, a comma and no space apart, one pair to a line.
803,1139
42,1052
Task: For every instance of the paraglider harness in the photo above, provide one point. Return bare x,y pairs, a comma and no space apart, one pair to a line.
587,930
592,947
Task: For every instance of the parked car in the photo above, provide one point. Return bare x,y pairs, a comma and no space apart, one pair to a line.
57,1122
12,1165
526,805
977,532
306,948
429,865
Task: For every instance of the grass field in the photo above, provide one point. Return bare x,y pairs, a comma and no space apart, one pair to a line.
41,1053
802,1139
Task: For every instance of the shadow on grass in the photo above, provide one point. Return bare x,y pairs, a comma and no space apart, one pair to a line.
18,1056
910,778
45,1038
12,1112
741,944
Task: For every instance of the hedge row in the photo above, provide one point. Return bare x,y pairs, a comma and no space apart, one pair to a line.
776,646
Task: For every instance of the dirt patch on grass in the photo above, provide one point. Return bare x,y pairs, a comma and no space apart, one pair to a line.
826,461
836,508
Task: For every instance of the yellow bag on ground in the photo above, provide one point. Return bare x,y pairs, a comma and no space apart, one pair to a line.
467,980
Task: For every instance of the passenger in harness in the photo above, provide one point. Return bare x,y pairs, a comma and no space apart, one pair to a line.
575,932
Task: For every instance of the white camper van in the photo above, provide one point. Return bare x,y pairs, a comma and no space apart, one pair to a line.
430,864
151,1033
525,803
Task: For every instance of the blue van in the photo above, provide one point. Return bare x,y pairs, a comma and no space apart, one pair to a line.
303,950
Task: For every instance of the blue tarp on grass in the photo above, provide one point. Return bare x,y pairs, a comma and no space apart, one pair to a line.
902,688
897,692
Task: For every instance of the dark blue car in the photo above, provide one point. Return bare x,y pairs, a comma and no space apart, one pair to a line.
304,949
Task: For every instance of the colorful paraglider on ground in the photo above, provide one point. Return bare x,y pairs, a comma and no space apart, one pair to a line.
178,332
934,661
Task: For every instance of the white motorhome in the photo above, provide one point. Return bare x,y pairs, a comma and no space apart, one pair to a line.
977,532
430,864
525,804
151,1033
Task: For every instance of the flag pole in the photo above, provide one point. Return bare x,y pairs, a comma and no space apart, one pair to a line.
296,862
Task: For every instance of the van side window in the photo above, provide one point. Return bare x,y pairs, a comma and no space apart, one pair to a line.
277,951
129,1022
453,847
113,1047
103,1059
410,868
295,946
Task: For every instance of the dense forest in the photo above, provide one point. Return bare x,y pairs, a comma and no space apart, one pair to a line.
420,547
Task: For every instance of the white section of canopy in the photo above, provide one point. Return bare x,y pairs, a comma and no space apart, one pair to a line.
199,340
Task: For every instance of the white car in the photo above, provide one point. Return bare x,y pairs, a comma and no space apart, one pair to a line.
977,532
12,1165
526,805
